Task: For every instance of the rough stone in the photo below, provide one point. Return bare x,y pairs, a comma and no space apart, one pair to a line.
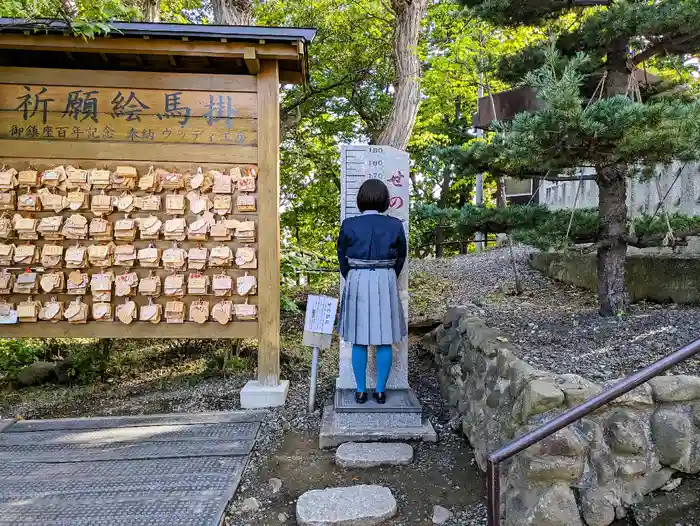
282,518
672,432
520,373
364,505
604,466
504,361
629,469
565,442
275,485
441,515
598,506
540,396
553,468
576,389
453,315
250,505
36,373
639,398
653,481
626,433
555,507
372,454
677,388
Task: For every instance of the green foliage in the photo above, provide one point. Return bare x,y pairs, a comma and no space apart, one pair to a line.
538,226
639,29
569,132
17,353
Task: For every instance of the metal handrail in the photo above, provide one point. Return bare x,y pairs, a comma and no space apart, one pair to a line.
622,387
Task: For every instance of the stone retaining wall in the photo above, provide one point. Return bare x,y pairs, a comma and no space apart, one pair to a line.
588,473
661,278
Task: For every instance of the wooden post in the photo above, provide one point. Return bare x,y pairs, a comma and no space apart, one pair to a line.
269,230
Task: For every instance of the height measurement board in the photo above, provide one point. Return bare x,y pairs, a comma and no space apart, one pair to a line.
361,162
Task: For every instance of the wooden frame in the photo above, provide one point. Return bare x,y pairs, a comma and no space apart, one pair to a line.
259,145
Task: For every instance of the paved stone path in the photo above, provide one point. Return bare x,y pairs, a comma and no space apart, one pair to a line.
177,469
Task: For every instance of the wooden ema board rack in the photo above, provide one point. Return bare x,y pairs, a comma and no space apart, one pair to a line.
179,123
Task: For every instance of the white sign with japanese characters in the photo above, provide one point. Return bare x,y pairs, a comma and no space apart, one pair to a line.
320,314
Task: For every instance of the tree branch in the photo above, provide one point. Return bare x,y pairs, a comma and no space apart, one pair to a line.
663,46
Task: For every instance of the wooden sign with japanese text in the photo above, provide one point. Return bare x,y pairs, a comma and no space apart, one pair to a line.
85,113
146,123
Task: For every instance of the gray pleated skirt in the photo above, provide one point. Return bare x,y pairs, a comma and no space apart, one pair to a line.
370,308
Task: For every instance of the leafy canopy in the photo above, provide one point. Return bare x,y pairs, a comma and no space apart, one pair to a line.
569,131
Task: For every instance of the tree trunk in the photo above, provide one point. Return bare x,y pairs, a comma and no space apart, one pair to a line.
151,10
407,68
439,240
69,8
442,203
501,200
612,205
233,12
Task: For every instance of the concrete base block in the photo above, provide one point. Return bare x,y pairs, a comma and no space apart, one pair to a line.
378,427
6,423
254,395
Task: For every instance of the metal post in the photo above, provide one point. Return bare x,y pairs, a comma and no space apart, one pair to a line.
479,191
312,390
479,202
493,485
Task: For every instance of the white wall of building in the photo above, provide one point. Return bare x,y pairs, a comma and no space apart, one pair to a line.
642,196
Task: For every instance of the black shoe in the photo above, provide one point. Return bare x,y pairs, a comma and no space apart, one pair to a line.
360,398
379,397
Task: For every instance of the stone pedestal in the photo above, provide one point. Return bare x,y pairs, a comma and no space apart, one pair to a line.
254,395
399,419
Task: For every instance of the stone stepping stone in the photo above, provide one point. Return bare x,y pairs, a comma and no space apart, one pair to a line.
363,505
373,454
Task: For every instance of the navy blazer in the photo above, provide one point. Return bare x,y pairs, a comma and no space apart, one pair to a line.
371,236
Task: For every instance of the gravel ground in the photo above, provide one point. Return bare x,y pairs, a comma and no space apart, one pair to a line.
557,327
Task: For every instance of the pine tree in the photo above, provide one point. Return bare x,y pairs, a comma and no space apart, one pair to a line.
616,134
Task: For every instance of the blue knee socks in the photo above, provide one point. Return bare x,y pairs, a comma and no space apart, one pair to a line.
359,366
383,366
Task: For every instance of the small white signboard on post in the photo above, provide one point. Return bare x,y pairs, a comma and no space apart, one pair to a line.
319,321
318,333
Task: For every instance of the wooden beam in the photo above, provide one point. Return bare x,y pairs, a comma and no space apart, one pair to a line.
128,151
251,60
277,50
130,79
291,77
269,229
138,329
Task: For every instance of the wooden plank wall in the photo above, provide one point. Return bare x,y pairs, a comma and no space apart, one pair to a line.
142,133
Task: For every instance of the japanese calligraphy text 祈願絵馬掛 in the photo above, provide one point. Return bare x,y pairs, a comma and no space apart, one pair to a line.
93,114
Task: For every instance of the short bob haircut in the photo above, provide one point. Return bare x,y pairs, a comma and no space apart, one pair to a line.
373,195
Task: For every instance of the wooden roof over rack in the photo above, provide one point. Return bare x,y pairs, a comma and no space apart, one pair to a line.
168,48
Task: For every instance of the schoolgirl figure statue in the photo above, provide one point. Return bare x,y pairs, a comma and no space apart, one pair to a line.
372,253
